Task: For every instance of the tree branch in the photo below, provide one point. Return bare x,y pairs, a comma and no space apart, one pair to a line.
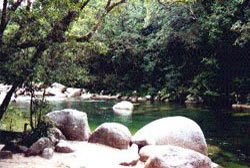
3,20
109,7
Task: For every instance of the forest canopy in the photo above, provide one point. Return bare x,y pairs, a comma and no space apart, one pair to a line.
170,48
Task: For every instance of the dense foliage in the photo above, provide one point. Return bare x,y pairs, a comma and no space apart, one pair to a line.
172,48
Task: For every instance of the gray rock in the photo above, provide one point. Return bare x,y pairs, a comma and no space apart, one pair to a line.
177,131
112,134
167,156
73,124
48,153
6,155
64,147
37,147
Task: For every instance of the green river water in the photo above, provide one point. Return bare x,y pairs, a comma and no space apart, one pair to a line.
226,133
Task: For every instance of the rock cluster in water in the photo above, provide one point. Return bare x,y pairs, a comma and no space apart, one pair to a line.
171,142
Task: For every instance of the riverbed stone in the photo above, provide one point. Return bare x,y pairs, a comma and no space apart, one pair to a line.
73,124
177,131
112,134
48,153
168,156
123,108
37,147
64,147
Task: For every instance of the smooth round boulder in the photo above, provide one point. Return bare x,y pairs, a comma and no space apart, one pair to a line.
73,124
123,108
168,156
112,134
177,131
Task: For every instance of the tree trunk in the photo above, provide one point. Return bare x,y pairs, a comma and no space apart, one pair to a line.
6,100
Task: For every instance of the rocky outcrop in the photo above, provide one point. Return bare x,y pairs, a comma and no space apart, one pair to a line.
112,134
37,147
123,108
177,131
73,92
55,92
73,124
59,87
174,157
64,147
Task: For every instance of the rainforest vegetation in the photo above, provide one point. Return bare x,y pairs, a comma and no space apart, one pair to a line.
172,48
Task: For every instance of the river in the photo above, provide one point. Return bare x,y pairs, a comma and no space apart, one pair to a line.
227,133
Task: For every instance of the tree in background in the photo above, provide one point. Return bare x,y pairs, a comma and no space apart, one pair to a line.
28,31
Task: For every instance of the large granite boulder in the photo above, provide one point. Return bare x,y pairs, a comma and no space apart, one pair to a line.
123,108
177,131
112,134
73,124
168,156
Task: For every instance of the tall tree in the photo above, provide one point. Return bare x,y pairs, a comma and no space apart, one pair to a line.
28,30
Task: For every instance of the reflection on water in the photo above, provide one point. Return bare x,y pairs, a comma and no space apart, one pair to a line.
220,127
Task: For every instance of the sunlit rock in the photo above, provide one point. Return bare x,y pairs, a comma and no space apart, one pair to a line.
177,131
73,124
112,134
167,156
74,92
59,86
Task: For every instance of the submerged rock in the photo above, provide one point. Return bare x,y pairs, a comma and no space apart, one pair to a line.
73,124
112,134
123,108
177,131
174,157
